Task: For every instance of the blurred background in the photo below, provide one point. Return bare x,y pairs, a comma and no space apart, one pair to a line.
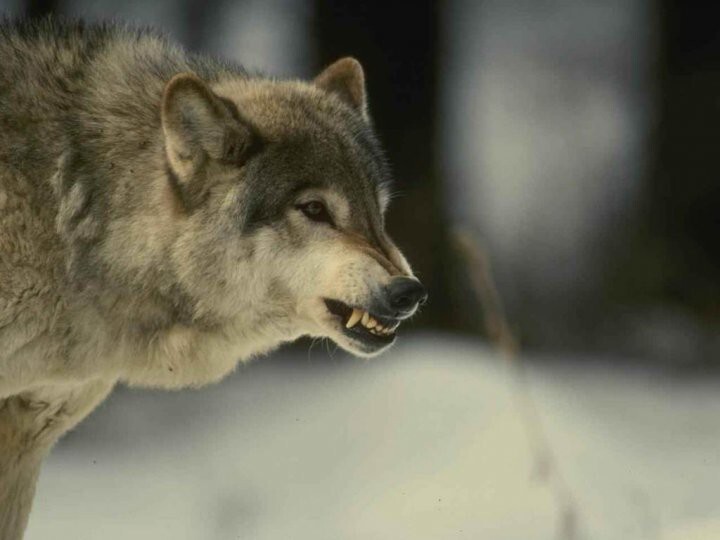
574,141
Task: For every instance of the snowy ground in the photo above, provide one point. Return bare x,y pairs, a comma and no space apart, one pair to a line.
424,443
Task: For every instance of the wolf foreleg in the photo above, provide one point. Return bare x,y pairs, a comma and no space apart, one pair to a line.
30,423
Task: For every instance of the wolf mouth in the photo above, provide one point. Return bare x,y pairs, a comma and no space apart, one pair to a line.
360,324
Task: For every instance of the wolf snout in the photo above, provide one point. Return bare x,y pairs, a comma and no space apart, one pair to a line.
404,295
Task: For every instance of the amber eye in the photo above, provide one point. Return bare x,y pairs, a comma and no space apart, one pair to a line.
316,211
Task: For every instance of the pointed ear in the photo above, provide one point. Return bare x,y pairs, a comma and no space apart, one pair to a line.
346,79
199,126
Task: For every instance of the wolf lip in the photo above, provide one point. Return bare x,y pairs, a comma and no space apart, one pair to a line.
360,324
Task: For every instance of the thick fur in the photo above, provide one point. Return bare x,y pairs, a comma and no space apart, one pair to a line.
150,230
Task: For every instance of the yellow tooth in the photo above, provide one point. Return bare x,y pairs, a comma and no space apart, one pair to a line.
365,318
354,318
380,328
372,323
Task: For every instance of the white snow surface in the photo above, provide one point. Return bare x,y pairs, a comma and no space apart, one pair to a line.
425,442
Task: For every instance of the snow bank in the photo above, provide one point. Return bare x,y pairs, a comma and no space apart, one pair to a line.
424,443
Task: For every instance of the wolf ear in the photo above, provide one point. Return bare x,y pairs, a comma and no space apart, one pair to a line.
346,79
199,125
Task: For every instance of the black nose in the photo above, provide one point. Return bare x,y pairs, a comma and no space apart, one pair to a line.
404,294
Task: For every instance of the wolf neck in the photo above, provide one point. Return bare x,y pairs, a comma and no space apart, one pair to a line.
116,212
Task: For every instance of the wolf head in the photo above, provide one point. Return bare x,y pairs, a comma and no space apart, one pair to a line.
283,188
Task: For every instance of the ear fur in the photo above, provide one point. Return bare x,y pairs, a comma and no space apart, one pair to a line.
198,125
345,78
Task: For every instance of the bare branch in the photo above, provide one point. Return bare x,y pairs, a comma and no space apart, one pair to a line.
546,468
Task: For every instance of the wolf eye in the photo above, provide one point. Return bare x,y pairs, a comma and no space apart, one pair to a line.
316,211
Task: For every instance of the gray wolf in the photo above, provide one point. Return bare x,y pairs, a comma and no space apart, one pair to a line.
164,216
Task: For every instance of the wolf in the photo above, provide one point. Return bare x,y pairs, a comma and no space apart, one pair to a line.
164,216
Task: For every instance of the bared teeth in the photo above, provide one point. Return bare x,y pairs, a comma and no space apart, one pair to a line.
369,322
356,315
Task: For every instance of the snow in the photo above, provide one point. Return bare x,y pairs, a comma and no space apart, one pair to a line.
425,442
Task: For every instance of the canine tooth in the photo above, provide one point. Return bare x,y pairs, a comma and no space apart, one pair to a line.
354,318
365,318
